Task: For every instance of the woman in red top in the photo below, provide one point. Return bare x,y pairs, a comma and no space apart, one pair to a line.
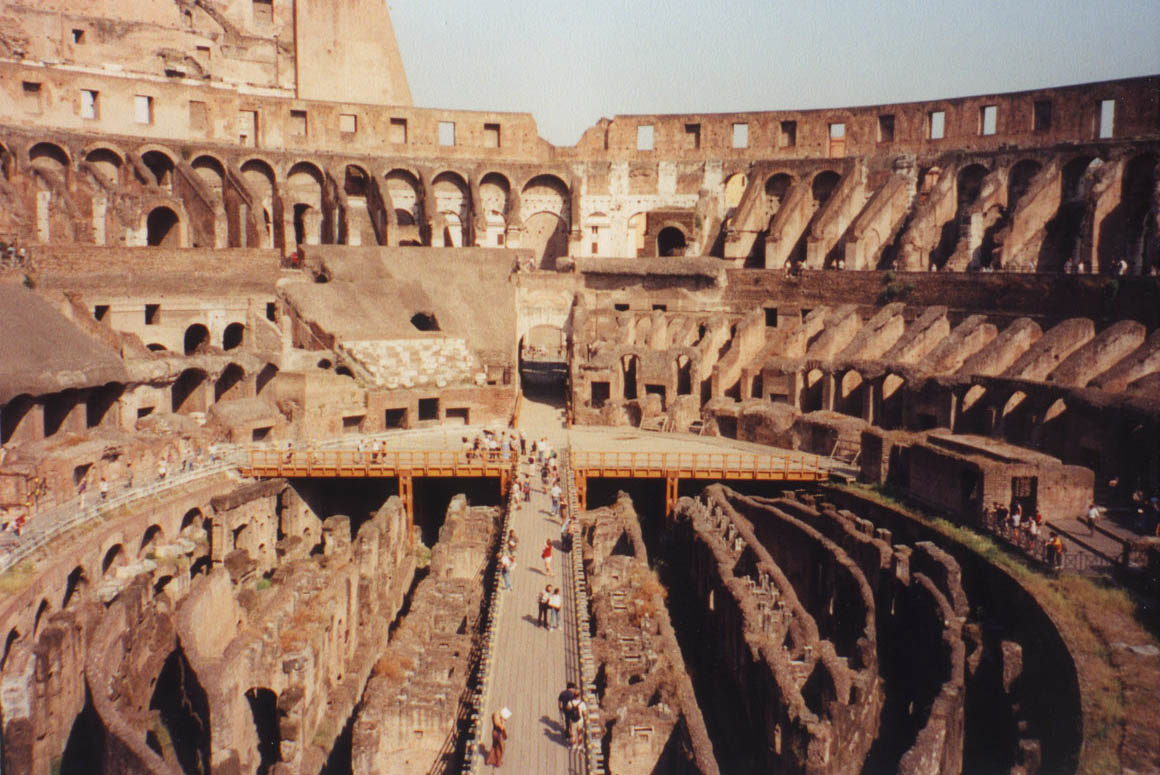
547,556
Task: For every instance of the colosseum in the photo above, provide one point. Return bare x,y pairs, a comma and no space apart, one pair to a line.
821,442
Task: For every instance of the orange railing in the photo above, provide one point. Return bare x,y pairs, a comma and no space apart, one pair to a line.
701,465
352,462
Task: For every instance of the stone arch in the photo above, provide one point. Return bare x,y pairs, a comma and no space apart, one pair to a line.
188,393
849,398
12,414
597,226
1141,238
212,172
406,195
777,187
41,611
230,384
823,186
153,536
495,200
106,163
260,179
546,234
268,372
546,193
233,336
304,194
196,339
453,203
672,241
1073,177
969,184
192,522
46,155
114,558
735,186
811,400
1019,180
161,164
263,704
76,585
9,642
164,228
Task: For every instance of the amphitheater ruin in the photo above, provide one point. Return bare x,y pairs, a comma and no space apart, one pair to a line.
284,360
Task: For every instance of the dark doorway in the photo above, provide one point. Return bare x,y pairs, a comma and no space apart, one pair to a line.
671,242
161,228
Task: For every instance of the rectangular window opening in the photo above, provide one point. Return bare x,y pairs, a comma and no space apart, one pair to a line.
837,131
198,116
248,128
1041,116
447,133
90,104
741,135
347,123
271,311
428,409
936,124
886,128
1107,127
203,53
459,414
787,138
491,136
601,392
693,136
353,424
152,314
771,317
78,37
298,123
645,140
31,92
660,307
398,131
144,411
988,120
261,434
395,418
99,311
620,307
143,109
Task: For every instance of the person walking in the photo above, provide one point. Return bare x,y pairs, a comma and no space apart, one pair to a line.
513,541
546,556
555,605
575,714
499,736
506,563
562,701
527,488
1093,518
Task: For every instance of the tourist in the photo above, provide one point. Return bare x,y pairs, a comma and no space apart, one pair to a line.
103,488
555,605
499,735
512,541
562,701
527,489
542,610
556,493
1016,516
523,444
1093,517
506,563
546,556
565,531
576,714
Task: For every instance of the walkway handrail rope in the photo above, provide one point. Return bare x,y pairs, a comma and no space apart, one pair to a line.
594,754
472,759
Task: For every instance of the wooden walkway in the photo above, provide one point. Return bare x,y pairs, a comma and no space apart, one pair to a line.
532,665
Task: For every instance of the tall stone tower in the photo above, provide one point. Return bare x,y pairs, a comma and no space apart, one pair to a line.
346,52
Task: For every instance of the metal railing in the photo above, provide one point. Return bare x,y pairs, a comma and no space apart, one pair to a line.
44,526
320,461
478,715
593,750
704,464
1073,559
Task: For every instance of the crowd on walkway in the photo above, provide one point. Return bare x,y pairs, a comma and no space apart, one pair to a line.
536,458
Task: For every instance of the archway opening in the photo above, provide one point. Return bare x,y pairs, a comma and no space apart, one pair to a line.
671,242
232,338
161,228
196,339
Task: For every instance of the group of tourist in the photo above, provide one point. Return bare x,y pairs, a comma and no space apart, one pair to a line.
495,447
12,256
1024,530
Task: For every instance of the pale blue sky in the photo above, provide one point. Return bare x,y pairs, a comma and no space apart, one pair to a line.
571,62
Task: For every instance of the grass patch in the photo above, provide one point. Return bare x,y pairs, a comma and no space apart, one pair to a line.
17,577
